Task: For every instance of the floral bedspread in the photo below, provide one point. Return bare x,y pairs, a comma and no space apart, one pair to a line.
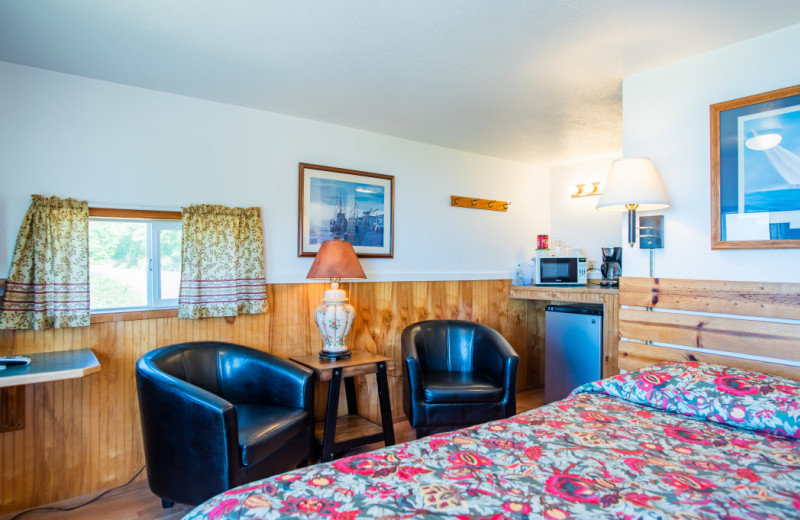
678,440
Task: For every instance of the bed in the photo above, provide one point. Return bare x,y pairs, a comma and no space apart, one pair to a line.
680,438
673,439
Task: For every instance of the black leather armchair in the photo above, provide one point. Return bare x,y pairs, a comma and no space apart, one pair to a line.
217,415
456,374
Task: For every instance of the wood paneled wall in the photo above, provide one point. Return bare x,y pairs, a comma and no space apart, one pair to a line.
83,435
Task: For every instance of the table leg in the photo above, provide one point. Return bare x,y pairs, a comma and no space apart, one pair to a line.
386,407
350,392
329,435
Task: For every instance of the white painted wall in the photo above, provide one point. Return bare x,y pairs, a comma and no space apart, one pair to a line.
575,221
666,117
122,146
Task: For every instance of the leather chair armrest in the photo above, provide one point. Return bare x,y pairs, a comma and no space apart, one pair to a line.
190,435
413,397
499,362
260,377
411,364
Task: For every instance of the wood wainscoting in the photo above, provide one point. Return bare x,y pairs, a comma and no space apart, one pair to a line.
83,435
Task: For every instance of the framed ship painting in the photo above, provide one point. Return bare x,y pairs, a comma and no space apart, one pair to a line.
355,206
755,171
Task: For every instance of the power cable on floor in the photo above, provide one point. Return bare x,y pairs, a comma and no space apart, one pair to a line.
95,499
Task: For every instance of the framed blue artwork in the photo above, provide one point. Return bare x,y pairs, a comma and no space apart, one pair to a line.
355,206
755,171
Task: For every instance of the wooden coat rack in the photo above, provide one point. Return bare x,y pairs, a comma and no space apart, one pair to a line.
472,202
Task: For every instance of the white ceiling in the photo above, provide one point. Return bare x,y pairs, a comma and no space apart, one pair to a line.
537,81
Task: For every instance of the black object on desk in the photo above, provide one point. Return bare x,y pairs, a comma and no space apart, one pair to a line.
14,361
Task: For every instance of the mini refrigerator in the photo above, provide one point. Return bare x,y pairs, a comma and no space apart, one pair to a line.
573,348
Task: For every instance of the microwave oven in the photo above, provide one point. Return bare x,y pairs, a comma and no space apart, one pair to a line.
559,270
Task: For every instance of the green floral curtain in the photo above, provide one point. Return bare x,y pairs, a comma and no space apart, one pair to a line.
222,266
48,282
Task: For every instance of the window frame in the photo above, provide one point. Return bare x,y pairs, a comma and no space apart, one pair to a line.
156,308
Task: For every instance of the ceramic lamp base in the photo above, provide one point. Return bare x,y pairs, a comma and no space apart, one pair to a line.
334,319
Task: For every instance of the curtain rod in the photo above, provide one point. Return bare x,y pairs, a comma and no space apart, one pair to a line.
133,207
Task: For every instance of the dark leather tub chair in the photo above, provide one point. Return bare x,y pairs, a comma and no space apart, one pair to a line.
217,415
456,374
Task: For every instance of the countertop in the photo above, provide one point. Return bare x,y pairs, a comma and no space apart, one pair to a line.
553,291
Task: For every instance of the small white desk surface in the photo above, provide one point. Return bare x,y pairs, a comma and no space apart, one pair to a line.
51,366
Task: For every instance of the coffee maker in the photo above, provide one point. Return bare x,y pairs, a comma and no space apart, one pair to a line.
611,268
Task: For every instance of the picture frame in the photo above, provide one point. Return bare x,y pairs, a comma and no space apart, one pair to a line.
353,205
755,171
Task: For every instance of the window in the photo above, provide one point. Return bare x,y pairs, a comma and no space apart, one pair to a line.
134,263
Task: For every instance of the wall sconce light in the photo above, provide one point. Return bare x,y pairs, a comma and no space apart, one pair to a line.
633,184
587,190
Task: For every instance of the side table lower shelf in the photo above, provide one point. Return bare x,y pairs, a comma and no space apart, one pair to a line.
351,432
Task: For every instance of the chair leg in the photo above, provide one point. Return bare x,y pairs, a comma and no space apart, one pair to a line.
166,504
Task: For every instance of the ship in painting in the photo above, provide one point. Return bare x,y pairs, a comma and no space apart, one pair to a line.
338,224
360,228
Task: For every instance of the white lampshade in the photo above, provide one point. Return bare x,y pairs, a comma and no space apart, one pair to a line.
633,182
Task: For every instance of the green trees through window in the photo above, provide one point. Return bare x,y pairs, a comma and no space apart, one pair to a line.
134,264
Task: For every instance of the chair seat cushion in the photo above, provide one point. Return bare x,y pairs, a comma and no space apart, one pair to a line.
460,387
264,429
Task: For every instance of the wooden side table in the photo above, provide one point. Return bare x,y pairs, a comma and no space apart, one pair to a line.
339,434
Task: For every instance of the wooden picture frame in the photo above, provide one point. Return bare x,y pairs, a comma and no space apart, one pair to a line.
353,205
755,171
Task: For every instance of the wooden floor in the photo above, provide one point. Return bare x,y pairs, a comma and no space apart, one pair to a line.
136,502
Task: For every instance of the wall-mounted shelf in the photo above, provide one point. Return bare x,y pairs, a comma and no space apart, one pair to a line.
475,203
44,367
51,366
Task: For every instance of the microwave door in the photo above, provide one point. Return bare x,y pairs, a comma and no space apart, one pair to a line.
559,270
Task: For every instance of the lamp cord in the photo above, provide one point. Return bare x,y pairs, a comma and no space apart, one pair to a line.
95,499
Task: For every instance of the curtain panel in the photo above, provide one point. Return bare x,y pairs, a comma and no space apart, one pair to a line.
48,282
222,265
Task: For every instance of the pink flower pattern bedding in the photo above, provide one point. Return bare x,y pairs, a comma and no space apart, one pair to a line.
678,440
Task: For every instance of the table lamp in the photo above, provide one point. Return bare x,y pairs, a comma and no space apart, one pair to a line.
336,261
633,184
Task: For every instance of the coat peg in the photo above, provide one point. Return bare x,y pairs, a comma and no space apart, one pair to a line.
505,206
456,200
475,201
491,203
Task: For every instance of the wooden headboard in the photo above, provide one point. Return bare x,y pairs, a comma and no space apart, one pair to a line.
671,319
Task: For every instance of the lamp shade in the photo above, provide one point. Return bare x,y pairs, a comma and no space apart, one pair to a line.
633,182
336,259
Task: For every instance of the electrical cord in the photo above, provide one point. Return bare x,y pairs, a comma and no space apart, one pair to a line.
95,499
